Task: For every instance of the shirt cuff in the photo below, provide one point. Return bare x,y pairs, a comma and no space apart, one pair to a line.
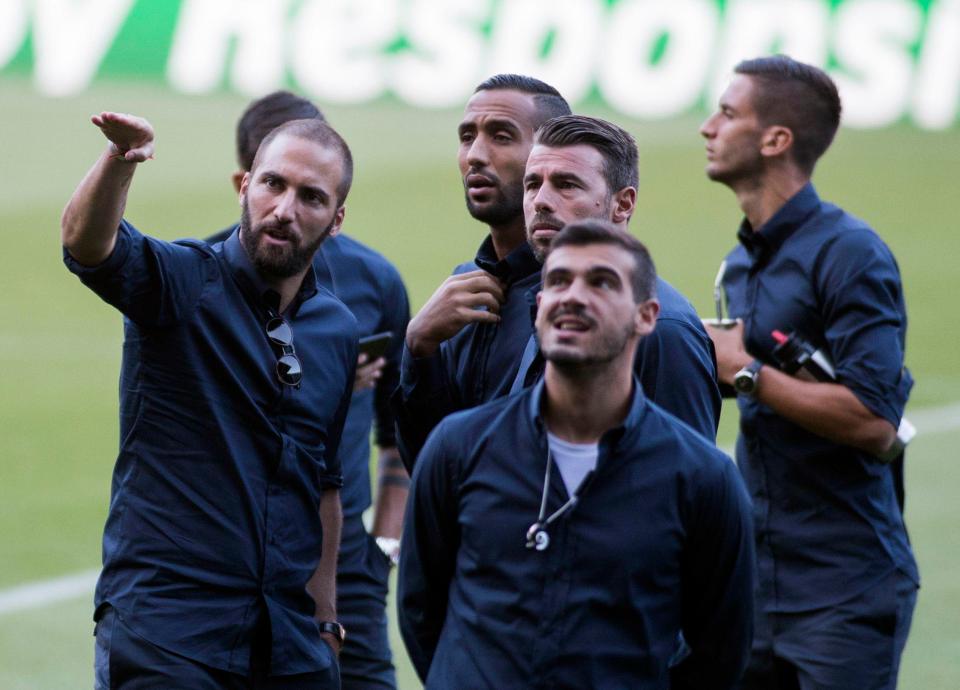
118,256
421,376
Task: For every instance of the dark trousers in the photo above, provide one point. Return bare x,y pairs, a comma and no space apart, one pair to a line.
362,574
125,661
855,645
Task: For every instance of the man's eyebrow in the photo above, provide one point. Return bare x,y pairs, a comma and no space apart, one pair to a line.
495,123
319,191
603,270
553,272
565,175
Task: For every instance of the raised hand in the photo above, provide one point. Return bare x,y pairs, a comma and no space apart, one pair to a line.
130,137
460,300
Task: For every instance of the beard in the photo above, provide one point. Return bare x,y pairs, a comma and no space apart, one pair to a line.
605,347
506,205
276,261
540,250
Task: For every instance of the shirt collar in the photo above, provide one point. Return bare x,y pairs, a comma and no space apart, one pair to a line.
253,286
613,436
786,221
517,265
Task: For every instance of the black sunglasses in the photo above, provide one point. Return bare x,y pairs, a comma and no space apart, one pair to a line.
289,371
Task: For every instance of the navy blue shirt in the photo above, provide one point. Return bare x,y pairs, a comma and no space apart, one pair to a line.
477,364
371,287
659,542
213,520
676,364
826,515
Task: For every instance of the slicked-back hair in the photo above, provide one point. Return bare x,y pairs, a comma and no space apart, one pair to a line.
798,96
319,132
585,232
618,148
548,100
265,114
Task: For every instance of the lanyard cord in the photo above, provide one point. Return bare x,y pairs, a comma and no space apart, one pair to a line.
537,536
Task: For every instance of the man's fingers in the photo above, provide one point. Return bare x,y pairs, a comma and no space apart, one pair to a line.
480,299
478,315
131,136
479,281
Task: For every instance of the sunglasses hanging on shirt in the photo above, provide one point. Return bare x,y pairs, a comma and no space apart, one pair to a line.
289,371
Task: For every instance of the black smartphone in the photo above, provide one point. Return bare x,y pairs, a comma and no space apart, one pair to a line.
375,346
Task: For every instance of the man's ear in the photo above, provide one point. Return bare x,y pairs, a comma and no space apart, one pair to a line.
237,178
242,187
645,318
338,222
624,204
776,140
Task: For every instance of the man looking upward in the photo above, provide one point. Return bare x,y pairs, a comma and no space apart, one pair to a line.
563,537
464,345
219,551
583,167
372,289
837,578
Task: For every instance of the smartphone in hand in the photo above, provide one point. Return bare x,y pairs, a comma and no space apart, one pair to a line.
375,346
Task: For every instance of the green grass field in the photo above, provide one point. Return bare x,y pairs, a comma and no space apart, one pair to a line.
60,346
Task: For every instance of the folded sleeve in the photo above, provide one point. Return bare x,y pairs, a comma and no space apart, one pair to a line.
858,285
151,282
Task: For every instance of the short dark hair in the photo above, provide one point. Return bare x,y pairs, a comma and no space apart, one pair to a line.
319,132
584,232
798,96
265,114
548,100
618,148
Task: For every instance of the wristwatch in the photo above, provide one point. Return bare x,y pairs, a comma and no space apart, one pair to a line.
333,628
390,548
745,380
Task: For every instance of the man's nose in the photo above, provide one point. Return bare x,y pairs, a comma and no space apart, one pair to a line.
576,293
285,208
543,201
707,129
478,154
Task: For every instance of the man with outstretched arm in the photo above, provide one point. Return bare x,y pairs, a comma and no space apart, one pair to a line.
837,578
565,536
219,552
371,287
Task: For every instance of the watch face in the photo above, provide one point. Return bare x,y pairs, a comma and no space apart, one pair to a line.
745,382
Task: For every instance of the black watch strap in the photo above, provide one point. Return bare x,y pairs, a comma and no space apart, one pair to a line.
745,381
333,628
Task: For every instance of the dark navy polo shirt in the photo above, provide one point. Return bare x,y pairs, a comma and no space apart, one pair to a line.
676,364
477,364
373,291
827,520
213,521
659,542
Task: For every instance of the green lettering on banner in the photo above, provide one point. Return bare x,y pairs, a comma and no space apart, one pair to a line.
142,46
893,60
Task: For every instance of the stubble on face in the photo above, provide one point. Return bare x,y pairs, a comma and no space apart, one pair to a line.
605,347
506,205
272,260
